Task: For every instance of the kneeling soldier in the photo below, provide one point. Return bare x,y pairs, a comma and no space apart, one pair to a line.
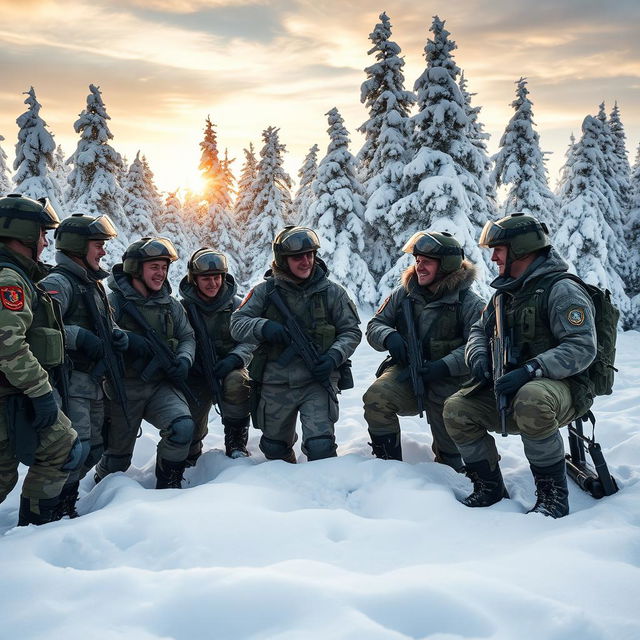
32,429
435,291
160,352
219,373
549,320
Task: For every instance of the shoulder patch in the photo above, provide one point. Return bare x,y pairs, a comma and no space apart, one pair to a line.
383,305
576,316
12,298
246,299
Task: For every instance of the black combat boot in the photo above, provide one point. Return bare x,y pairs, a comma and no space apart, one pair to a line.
488,487
551,490
169,474
236,435
68,499
386,447
49,509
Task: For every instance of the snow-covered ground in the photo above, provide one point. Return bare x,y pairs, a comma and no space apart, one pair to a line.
351,547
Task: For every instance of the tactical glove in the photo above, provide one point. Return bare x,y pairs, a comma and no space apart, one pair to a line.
138,346
89,344
510,382
274,332
224,367
179,370
119,340
397,348
324,367
46,411
434,370
479,368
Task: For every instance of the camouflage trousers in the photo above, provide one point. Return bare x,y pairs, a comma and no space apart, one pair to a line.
45,477
160,404
235,405
536,413
391,396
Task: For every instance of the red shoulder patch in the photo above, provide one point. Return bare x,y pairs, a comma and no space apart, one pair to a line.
246,299
12,298
383,305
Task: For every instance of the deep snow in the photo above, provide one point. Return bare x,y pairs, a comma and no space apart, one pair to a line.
351,547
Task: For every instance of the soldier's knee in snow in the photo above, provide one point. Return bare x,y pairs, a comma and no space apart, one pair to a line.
274,449
320,447
181,430
76,456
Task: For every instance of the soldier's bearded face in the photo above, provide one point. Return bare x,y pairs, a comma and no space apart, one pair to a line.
95,251
154,273
426,270
499,256
301,265
209,285
42,243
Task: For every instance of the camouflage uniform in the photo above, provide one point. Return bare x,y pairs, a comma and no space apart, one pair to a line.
442,319
331,319
157,400
31,343
236,388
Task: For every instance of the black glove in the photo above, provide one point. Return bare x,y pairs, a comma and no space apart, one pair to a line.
434,370
273,331
510,382
479,368
179,370
397,347
119,340
138,346
324,367
45,409
89,344
224,367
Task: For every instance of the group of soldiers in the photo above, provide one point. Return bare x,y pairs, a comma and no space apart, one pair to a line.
80,369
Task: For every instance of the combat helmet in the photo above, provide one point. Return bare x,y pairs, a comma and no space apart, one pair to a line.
437,244
206,261
145,250
520,232
292,241
74,233
23,218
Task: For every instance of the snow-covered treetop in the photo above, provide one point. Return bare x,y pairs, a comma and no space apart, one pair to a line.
477,134
5,182
211,168
244,200
304,196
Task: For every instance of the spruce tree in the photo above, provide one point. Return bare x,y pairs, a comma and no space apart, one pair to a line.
5,180
246,194
34,162
60,174
141,204
171,226
622,168
338,216
565,170
520,164
304,196
632,234
215,190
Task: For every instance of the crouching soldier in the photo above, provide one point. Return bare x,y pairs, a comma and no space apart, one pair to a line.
435,297
219,374
549,320
32,428
75,282
160,352
297,291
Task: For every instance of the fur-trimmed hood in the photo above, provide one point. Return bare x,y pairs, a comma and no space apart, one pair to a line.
461,278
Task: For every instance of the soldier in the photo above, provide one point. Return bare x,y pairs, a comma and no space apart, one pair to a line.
80,241
550,319
209,294
143,306
328,317
32,428
443,308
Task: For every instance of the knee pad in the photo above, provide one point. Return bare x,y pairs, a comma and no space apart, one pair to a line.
320,447
181,430
274,449
76,456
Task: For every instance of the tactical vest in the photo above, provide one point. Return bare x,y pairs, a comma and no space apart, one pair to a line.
217,325
45,336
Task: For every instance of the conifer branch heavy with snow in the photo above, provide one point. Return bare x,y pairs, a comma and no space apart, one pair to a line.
5,180
246,194
142,204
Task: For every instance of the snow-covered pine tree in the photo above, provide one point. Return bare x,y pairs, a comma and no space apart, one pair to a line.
304,196
5,180
246,194
93,182
443,192
215,189
632,233
194,214
172,227
337,214
584,237
622,168
142,204
565,170
270,208
34,162
520,164
60,175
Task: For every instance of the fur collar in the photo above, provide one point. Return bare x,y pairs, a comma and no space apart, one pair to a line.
462,278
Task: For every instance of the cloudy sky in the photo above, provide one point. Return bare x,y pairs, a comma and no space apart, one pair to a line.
164,65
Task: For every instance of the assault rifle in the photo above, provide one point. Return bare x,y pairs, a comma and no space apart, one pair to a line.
415,355
597,480
501,358
301,344
163,357
209,357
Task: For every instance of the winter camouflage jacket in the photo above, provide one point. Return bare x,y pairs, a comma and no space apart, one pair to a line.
442,322
339,331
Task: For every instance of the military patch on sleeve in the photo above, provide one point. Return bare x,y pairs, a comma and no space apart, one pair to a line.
576,316
12,298
383,305
246,299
